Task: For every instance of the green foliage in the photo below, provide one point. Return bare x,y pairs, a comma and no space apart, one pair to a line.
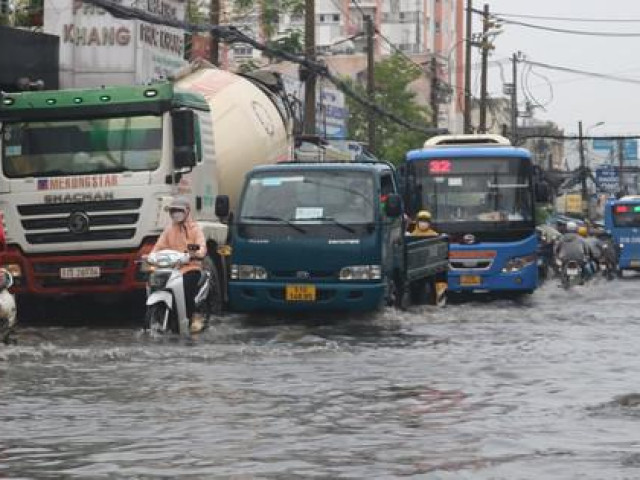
196,12
290,42
269,11
392,77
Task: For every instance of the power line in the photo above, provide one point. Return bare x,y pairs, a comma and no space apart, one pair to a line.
589,33
584,72
231,34
570,19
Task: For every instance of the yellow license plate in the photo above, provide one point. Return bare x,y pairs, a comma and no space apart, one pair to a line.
300,293
470,280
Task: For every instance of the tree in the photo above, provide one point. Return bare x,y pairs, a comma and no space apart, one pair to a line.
269,12
392,78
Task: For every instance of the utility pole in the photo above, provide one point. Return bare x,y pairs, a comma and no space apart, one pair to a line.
467,71
583,170
214,19
434,91
370,82
310,81
484,45
620,146
514,100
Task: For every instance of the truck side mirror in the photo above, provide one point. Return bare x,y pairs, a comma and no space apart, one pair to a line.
393,206
184,138
222,206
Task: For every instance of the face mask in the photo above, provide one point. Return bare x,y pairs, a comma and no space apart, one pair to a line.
423,225
178,217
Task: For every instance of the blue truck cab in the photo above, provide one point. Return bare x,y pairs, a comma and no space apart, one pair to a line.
324,236
479,190
622,223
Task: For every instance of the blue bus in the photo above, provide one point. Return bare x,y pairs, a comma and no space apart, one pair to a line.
622,222
480,191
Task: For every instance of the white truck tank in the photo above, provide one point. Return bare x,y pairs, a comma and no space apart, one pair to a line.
251,125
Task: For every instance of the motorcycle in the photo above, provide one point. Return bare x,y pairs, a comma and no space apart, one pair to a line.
166,307
571,273
8,310
608,260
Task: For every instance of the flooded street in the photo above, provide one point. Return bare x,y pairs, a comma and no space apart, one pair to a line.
544,388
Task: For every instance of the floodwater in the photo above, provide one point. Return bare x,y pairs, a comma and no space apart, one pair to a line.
544,388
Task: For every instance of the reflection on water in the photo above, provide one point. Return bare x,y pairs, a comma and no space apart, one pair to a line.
540,388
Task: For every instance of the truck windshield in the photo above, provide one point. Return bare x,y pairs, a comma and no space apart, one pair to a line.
476,189
51,148
310,197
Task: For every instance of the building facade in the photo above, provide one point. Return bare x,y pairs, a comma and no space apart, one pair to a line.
429,32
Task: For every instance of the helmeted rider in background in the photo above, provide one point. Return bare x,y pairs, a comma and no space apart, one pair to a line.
423,226
182,232
572,246
595,250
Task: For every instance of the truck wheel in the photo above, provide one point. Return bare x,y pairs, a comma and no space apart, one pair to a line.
397,295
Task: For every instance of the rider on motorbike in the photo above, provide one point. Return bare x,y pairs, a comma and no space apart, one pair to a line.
182,232
572,246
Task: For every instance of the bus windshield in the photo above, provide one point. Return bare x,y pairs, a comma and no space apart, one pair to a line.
479,190
345,197
626,216
92,146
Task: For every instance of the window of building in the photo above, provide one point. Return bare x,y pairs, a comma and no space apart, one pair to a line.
336,17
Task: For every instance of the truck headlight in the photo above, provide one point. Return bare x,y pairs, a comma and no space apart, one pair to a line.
361,272
14,269
515,264
248,272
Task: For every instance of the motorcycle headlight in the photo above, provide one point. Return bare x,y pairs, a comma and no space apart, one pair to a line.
248,272
515,264
361,272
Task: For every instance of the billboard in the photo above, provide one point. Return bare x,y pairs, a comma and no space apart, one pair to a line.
608,179
99,49
603,144
630,151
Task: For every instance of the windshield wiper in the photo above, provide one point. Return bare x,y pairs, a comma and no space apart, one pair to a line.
274,219
335,222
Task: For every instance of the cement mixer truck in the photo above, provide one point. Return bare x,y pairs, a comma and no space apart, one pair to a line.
87,174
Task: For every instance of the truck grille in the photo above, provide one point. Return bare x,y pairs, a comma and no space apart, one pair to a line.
53,223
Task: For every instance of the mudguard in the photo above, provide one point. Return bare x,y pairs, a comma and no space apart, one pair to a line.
160,296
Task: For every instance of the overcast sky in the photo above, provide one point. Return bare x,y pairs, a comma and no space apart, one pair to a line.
575,97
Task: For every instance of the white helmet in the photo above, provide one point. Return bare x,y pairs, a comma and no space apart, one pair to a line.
572,227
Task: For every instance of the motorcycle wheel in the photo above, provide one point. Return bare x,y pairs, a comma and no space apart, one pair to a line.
154,318
213,304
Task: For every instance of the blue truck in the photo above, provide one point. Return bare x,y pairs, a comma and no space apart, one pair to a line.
481,191
328,236
622,223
